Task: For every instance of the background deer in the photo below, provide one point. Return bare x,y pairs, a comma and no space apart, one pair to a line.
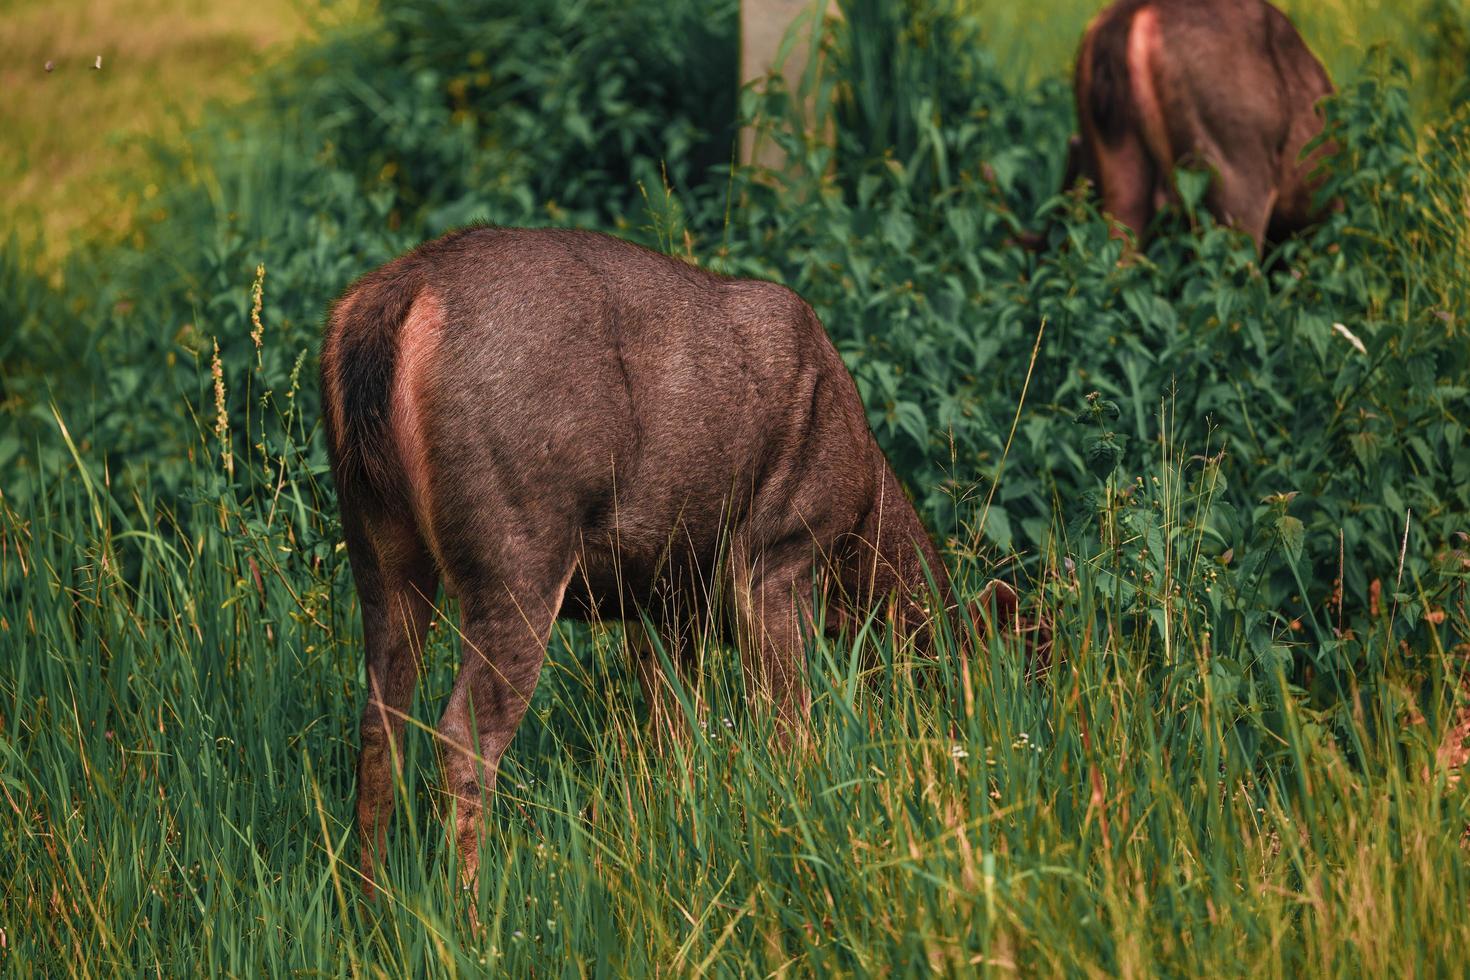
1228,84
562,423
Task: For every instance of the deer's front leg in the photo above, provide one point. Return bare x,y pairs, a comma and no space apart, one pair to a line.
666,721
773,605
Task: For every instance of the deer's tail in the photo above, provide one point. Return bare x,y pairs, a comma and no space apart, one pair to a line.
359,359
1108,100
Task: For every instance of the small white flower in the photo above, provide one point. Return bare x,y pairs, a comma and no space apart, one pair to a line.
1352,338
957,751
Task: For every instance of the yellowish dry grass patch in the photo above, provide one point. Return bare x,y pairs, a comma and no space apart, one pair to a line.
72,135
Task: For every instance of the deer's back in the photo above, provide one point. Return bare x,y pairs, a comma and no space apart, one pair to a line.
569,380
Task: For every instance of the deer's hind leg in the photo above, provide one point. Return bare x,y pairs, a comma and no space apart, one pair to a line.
510,595
396,585
1129,183
1243,195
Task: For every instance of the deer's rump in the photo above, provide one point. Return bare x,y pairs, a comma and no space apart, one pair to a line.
1226,84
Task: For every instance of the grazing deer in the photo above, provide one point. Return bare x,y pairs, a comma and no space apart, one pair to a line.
1224,83
562,423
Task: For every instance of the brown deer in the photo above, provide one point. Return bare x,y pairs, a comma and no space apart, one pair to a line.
1227,84
562,423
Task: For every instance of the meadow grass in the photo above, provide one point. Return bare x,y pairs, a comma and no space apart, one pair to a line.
177,729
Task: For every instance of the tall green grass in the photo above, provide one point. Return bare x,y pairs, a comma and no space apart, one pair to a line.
1244,529
178,710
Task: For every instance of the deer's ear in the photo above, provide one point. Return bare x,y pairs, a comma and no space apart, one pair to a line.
998,605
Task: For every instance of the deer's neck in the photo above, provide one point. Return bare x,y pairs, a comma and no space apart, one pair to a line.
895,557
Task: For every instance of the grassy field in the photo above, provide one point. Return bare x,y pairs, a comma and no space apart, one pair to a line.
77,164
1237,489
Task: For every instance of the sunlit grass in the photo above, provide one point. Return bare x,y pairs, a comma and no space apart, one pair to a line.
75,164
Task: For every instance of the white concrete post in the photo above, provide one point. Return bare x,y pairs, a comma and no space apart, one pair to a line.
763,27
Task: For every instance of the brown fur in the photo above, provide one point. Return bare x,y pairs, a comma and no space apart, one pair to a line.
1226,83
562,423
